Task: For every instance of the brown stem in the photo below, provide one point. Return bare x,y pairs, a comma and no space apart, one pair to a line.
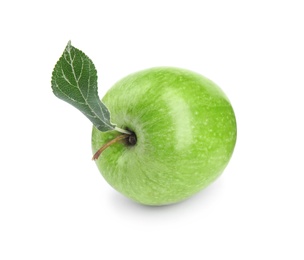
105,146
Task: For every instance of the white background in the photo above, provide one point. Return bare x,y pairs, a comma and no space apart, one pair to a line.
54,204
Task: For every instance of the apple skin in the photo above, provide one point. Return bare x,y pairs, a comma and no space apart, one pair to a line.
186,133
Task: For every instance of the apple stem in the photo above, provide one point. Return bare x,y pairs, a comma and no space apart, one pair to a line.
105,146
122,130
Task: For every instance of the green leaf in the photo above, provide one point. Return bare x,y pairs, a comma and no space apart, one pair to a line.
74,80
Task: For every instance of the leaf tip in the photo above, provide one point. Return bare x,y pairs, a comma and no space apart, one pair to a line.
69,46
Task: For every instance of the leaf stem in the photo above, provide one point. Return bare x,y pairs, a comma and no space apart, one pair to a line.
106,145
122,130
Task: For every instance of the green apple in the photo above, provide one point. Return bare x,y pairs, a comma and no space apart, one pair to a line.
183,135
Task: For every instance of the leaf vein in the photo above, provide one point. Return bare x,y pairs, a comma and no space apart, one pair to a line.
66,95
